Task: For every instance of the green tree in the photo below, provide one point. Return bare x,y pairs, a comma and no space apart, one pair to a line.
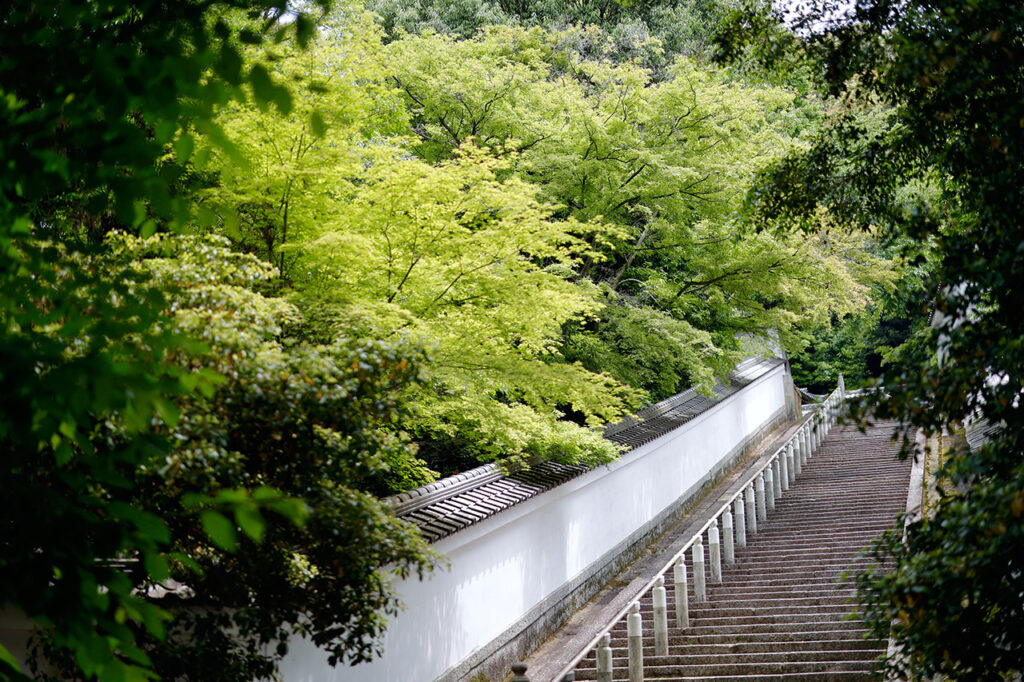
653,33
460,257
92,96
299,164
290,421
950,74
464,259
667,163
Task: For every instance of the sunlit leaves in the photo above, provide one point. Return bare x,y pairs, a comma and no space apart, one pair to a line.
452,257
299,163
668,164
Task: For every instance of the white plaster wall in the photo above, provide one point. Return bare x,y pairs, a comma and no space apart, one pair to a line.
507,564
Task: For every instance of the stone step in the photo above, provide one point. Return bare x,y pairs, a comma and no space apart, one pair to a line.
783,610
798,534
818,526
730,626
719,610
819,676
673,672
724,592
787,645
814,632
790,570
749,581
619,657
738,608
780,559
802,542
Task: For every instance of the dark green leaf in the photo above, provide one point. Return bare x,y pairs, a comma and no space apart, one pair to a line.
220,529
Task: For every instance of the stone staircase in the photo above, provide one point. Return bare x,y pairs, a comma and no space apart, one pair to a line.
782,610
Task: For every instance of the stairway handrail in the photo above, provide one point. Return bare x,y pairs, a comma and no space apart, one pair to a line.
836,396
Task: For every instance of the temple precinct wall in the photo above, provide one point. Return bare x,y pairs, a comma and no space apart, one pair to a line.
516,574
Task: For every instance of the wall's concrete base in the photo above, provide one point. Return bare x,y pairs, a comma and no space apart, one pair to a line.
492,663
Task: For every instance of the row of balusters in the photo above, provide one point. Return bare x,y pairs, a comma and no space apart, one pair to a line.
739,519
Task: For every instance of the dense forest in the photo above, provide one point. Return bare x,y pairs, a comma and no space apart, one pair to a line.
264,265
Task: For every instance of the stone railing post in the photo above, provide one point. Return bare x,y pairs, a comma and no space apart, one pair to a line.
604,659
635,635
769,484
798,453
759,498
660,600
729,538
519,673
682,599
700,590
741,523
715,550
751,511
786,464
777,474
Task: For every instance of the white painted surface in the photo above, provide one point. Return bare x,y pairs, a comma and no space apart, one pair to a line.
509,563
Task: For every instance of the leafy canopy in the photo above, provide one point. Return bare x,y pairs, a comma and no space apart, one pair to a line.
667,163
99,106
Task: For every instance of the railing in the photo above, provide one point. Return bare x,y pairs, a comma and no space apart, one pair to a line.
739,518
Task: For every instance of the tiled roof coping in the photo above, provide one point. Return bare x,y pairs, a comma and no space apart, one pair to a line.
451,504
414,499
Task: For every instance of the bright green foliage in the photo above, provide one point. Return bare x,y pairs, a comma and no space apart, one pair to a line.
92,96
299,164
458,257
471,266
667,163
950,74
